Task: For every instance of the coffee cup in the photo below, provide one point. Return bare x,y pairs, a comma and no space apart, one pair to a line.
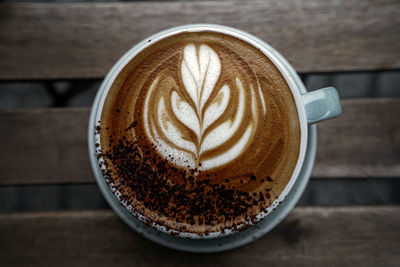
237,87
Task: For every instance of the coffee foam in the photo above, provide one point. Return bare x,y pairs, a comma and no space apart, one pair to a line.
204,115
194,109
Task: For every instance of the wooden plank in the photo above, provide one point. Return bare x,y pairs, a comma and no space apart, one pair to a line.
43,146
83,40
309,236
363,142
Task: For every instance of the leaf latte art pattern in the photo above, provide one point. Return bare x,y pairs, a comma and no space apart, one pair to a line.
196,120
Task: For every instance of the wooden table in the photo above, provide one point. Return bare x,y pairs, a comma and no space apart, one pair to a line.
50,41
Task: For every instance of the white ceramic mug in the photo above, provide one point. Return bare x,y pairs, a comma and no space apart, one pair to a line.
312,107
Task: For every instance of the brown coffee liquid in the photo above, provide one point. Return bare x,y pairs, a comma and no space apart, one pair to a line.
199,133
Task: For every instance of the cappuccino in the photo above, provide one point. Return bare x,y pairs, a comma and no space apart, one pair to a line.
199,133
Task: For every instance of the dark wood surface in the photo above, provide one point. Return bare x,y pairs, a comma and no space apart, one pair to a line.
83,40
44,146
312,236
363,142
50,145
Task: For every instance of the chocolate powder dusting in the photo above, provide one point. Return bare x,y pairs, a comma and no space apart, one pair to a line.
152,186
133,125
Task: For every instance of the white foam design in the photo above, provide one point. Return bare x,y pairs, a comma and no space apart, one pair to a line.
176,155
217,108
200,71
185,113
171,132
231,154
226,130
260,94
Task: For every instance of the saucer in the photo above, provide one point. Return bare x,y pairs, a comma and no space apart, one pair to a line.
214,244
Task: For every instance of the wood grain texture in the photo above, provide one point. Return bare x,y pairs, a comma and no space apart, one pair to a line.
314,236
44,146
49,146
363,142
83,40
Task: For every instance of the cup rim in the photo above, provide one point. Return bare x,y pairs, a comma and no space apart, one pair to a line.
279,61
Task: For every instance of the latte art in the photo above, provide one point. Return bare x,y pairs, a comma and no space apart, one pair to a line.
199,133
185,122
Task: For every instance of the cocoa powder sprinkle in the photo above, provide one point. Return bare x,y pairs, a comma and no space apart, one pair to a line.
148,181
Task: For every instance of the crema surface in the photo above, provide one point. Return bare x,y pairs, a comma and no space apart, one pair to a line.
199,133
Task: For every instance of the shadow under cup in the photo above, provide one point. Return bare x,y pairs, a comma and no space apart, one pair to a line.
274,213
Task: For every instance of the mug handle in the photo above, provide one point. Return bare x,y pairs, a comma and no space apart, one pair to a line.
322,104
